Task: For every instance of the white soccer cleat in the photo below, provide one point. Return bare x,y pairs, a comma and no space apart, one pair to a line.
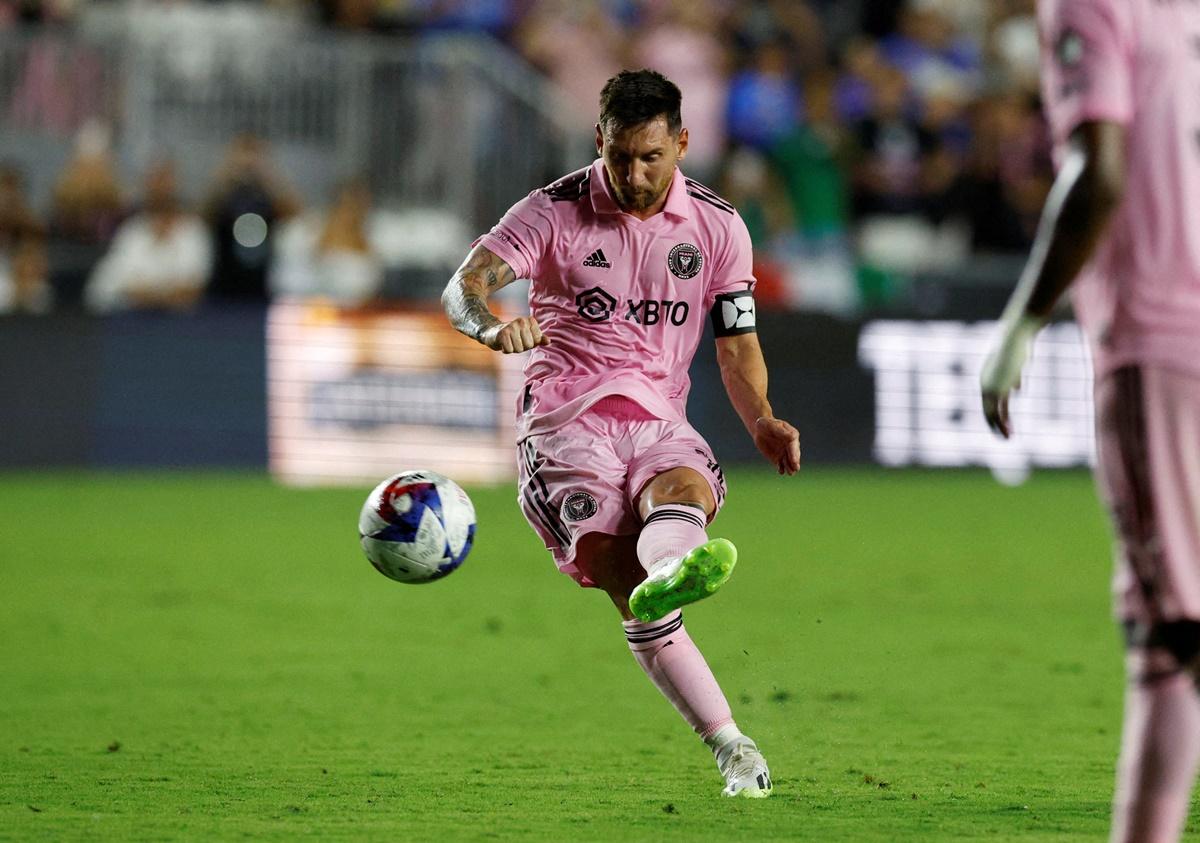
744,769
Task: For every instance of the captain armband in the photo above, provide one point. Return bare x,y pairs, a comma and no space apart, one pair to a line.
733,314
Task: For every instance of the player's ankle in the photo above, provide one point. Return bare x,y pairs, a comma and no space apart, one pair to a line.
722,736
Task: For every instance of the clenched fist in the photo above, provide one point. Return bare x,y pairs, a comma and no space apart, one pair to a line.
521,334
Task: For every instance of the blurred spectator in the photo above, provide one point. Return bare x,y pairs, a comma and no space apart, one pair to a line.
23,284
811,165
931,52
61,85
892,147
680,40
332,258
159,259
747,182
578,44
18,222
87,203
765,101
1009,174
1014,44
247,202
792,23
862,67
23,279
494,17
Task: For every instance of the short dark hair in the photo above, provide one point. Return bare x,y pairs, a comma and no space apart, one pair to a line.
634,96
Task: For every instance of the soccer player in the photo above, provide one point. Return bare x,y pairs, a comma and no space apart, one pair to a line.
626,258
1121,82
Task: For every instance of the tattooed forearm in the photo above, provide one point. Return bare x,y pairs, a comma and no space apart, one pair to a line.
465,297
471,316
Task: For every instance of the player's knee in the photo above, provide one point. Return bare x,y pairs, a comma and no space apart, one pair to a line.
1169,647
681,486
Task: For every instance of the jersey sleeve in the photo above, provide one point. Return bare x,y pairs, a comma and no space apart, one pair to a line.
1087,63
523,236
732,288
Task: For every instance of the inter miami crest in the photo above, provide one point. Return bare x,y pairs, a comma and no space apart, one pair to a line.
578,506
685,261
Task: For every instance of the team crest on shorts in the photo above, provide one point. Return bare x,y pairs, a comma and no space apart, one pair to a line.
685,261
578,506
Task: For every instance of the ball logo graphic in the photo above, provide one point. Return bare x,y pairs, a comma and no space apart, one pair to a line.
417,526
595,305
685,261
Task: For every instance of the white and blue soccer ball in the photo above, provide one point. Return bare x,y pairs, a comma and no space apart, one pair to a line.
417,526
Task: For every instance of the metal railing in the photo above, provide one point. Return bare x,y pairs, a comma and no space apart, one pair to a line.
455,123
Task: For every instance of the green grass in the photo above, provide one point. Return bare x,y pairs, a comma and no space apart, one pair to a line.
921,656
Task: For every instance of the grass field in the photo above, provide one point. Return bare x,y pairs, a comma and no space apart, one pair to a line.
921,656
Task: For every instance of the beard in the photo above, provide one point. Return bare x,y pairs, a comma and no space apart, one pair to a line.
640,200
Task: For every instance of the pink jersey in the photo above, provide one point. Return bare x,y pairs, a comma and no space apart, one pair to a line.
622,300
1137,63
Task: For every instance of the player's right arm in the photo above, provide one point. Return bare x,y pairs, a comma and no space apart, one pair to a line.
465,302
1088,89
1085,194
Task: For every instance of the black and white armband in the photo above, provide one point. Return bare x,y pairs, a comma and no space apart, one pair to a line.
733,314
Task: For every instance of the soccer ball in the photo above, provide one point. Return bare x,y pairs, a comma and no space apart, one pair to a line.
417,526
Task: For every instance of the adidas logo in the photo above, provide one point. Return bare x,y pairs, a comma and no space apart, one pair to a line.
597,258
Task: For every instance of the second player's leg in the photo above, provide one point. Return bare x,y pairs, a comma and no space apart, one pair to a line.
1144,416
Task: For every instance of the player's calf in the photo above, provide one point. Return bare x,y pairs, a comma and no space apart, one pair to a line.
671,660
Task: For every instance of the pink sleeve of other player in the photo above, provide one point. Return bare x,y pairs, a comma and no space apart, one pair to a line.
734,267
1087,62
523,236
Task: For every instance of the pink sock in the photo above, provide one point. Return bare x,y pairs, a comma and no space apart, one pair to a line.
671,530
1160,747
666,652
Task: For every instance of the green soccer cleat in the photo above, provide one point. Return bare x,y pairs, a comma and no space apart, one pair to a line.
696,575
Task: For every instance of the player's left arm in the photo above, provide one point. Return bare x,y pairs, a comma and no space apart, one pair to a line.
1088,188
744,373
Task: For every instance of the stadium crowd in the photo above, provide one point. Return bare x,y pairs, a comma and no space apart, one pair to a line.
860,141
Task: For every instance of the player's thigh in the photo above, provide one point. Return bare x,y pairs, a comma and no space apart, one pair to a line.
1148,470
572,483
675,465
611,564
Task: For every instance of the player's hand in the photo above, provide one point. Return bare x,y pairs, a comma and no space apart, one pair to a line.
521,334
779,442
1002,372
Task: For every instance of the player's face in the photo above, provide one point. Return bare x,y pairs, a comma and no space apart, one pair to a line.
640,161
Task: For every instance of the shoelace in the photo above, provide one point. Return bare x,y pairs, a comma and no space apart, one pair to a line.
740,759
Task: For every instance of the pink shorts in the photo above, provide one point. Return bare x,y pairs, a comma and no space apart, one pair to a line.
585,476
1148,445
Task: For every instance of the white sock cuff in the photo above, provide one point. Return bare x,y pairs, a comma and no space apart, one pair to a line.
721,737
